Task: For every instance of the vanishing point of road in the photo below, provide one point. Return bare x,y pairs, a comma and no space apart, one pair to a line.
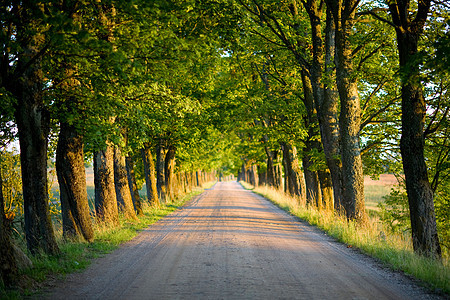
229,243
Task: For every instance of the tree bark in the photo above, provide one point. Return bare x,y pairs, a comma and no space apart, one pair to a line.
150,178
123,195
8,267
273,174
169,172
350,123
137,202
72,184
33,121
105,194
313,193
278,172
328,117
326,188
253,175
198,177
262,178
160,177
350,115
325,99
291,165
241,175
420,194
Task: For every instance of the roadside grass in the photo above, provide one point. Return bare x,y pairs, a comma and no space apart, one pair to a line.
372,238
77,255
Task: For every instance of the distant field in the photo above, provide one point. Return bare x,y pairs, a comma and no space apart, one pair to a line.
375,190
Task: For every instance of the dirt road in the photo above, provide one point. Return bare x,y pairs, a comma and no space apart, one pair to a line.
232,244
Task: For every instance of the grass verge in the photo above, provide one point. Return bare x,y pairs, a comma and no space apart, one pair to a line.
77,255
373,238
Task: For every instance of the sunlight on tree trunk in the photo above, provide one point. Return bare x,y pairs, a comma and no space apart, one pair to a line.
72,184
105,193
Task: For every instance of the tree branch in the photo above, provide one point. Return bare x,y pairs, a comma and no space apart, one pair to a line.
266,38
375,114
374,91
430,129
373,14
369,55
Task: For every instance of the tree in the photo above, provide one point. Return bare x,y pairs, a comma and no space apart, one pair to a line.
150,174
132,182
72,184
285,27
25,43
68,107
409,28
121,183
105,194
350,115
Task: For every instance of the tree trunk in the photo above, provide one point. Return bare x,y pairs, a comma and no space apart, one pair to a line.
278,173
328,116
137,202
302,185
291,165
326,188
253,175
241,175
33,121
262,177
198,178
289,185
8,267
313,194
350,123
271,172
350,115
169,169
105,193
72,184
420,194
123,195
160,159
325,95
150,177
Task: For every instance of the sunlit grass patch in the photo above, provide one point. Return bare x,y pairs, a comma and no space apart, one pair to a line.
372,238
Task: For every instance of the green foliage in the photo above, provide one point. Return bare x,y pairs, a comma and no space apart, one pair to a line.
7,130
395,211
442,209
214,80
11,182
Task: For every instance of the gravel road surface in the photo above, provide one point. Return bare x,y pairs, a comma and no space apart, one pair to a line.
229,243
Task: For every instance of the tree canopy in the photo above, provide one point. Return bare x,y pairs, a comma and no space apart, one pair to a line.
309,93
